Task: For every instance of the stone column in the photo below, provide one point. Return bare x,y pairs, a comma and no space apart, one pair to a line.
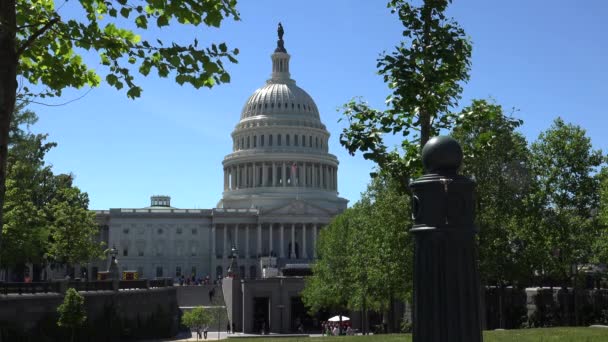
314,241
283,174
304,251
292,252
236,236
270,242
238,177
259,247
225,253
246,241
282,242
336,179
213,254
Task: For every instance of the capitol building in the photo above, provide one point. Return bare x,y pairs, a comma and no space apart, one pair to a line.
280,189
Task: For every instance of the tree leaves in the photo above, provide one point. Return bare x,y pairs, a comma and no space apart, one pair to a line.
54,63
424,74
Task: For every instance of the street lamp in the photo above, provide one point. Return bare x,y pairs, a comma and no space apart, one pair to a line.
234,254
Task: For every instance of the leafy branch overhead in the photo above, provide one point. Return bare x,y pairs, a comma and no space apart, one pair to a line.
424,74
47,44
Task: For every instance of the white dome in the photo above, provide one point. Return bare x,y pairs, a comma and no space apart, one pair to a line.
276,99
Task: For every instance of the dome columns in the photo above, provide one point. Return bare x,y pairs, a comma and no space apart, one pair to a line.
281,174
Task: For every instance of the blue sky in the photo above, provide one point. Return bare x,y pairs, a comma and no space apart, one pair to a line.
545,58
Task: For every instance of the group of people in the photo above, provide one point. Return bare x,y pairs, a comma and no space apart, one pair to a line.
204,330
335,329
193,280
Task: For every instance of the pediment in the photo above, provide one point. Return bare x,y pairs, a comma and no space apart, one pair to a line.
299,207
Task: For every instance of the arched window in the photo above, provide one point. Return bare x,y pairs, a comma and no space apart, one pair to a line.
262,141
310,141
255,141
316,142
303,141
279,140
295,140
270,140
287,140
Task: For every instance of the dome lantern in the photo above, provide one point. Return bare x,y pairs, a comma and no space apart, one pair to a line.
280,60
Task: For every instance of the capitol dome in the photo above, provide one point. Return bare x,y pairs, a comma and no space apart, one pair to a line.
280,148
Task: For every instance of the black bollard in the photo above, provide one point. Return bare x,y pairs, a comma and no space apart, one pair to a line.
446,276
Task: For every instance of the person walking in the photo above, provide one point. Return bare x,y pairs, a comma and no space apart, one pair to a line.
205,330
228,327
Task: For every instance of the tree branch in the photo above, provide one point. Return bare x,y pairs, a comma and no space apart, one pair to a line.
35,35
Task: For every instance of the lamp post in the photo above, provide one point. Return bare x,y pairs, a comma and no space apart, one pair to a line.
232,268
446,278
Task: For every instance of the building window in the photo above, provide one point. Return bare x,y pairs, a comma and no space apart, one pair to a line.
140,252
125,231
193,273
295,140
316,142
252,272
194,231
125,251
159,271
179,230
193,250
279,140
310,141
178,271
287,140
262,141
160,231
270,140
255,141
140,271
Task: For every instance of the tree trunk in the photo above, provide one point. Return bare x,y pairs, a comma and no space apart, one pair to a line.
8,89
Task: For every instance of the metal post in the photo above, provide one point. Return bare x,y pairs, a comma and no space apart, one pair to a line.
446,276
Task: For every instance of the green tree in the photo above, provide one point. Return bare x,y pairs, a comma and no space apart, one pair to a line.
43,48
73,229
196,318
364,254
72,313
46,217
566,165
496,156
424,74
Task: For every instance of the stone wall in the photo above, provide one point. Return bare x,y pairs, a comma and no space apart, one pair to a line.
110,315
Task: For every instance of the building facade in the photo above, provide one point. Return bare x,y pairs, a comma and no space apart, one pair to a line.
280,189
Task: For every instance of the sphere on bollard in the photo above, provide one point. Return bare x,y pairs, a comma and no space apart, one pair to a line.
442,155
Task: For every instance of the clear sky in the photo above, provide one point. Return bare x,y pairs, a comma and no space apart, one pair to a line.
547,58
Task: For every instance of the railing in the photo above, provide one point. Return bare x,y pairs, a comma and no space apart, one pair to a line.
99,285
35,287
133,284
161,282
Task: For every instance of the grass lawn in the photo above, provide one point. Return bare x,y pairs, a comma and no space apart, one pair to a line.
523,335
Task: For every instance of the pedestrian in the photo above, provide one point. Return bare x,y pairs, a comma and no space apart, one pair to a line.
233,327
198,333
228,327
205,330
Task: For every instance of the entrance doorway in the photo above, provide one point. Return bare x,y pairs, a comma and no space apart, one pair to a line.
300,317
261,315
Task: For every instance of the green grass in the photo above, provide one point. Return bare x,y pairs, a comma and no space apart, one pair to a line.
523,335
